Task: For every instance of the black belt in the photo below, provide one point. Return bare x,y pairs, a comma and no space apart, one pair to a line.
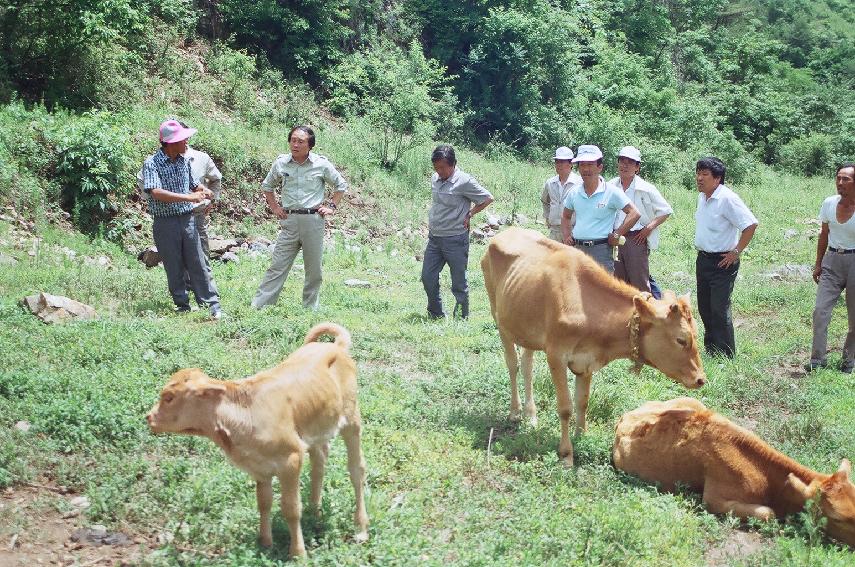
301,211
711,254
593,242
842,250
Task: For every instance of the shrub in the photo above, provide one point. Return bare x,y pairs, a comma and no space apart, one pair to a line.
93,163
808,155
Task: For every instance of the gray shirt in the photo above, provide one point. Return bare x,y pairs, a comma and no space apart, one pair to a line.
452,199
301,185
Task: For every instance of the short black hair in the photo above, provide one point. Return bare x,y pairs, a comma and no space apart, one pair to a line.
308,131
714,165
844,165
444,152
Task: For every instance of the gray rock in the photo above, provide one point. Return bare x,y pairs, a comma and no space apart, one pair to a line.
357,283
791,233
791,272
230,257
520,219
80,502
22,426
492,220
6,260
219,246
477,235
56,308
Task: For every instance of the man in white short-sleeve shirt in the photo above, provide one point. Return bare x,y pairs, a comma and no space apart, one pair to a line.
724,227
595,204
835,269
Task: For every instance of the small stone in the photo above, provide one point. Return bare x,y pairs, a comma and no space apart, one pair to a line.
80,502
149,355
230,257
22,426
791,233
98,531
357,283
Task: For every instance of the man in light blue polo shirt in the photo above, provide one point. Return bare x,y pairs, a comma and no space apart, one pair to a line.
596,203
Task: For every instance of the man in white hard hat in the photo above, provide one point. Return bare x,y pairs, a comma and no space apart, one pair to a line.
555,191
595,204
633,262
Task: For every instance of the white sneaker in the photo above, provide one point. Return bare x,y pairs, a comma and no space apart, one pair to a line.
216,314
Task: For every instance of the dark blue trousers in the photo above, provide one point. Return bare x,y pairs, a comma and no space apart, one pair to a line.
715,285
177,241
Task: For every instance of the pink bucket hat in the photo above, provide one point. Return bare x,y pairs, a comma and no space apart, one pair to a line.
172,131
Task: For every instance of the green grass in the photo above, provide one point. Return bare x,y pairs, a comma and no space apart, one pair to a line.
430,392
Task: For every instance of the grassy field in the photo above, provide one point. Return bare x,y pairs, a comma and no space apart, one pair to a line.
430,393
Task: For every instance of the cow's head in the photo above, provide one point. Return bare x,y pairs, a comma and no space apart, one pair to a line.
668,337
836,500
187,404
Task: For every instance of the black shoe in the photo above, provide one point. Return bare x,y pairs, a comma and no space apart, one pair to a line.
847,367
182,309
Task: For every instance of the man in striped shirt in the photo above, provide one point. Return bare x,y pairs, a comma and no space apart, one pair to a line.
173,194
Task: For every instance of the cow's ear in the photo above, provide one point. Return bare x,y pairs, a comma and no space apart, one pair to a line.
643,306
213,390
678,413
803,489
845,469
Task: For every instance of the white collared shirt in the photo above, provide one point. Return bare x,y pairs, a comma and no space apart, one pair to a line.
840,236
650,204
554,193
720,220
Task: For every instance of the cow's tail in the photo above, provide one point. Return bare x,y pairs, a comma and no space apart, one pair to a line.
342,335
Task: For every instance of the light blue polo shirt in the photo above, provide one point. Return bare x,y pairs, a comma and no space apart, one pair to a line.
595,215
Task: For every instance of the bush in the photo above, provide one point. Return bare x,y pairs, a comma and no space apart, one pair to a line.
403,95
809,155
94,162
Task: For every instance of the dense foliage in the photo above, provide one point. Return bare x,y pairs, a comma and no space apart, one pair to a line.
754,81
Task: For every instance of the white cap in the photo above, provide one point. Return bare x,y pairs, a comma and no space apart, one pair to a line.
563,153
588,153
630,152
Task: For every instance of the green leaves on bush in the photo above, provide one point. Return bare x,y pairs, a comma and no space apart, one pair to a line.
405,97
93,158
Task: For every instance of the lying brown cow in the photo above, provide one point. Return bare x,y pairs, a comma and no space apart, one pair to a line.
266,422
681,441
550,297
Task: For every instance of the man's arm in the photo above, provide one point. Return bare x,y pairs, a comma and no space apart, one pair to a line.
821,247
274,205
544,198
632,216
567,225
644,233
475,210
336,179
744,238
200,193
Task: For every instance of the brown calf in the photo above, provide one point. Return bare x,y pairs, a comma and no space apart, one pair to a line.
681,441
265,423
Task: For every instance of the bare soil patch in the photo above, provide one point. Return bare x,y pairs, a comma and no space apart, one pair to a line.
736,546
33,531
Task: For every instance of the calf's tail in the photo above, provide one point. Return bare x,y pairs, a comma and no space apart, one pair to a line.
342,336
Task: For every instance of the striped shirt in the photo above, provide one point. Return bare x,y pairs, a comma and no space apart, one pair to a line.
159,172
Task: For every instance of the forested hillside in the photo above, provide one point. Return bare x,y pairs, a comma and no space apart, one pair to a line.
756,82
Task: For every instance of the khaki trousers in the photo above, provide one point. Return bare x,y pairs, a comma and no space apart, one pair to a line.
838,272
296,232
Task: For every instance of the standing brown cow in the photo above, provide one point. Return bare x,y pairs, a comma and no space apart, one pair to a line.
265,423
550,297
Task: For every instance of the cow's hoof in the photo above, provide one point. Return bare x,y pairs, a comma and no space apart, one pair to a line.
514,416
532,420
265,541
566,460
297,551
361,537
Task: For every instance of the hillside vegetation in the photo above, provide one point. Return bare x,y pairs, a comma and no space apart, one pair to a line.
765,84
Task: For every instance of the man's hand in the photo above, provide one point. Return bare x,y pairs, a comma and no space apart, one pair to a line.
729,259
642,235
326,211
614,239
200,195
817,270
280,213
568,240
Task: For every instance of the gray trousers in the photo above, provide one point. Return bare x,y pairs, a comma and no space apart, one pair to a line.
177,241
555,234
202,222
602,253
633,263
297,232
454,251
838,272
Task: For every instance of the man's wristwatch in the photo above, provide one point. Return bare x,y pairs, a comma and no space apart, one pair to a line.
332,205
736,251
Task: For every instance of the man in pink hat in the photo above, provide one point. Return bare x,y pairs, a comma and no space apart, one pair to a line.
173,193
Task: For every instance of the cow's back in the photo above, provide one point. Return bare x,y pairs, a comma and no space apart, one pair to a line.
657,443
527,277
